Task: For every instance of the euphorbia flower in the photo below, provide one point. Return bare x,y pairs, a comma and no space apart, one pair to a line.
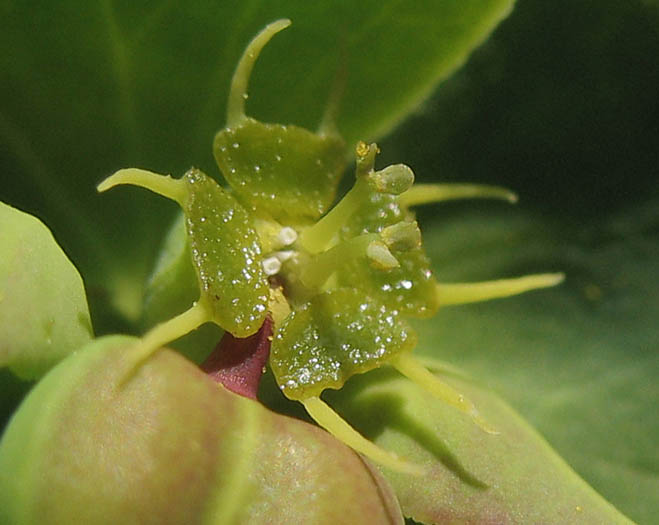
339,283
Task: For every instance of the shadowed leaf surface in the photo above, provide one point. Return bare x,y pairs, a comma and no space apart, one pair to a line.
474,477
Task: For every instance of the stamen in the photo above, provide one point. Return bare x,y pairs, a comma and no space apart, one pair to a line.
394,179
324,264
319,236
287,236
380,256
402,236
273,236
462,293
413,370
327,418
240,80
165,185
428,193
271,265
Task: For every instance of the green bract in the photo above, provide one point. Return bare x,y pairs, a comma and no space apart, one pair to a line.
224,246
285,171
338,284
227,256
337,334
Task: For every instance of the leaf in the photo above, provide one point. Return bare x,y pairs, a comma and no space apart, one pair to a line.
170,445
579,361
43,308
90,88
474,477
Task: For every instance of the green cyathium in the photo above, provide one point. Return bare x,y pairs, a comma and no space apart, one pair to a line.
340,283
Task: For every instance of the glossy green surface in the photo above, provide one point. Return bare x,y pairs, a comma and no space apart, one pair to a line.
172,288
227,256
285,171
336,335
43,307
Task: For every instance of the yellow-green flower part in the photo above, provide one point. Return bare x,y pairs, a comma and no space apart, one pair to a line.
340,282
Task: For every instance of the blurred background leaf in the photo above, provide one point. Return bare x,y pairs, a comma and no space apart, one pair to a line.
472,476
560,104
90,88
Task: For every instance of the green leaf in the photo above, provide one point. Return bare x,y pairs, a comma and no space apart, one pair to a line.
473,476
579,361
90,88
583,358
43,308
170,445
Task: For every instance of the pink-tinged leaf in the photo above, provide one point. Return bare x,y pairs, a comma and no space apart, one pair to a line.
171,446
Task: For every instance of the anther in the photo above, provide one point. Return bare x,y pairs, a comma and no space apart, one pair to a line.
380,256
402,236
394,179
287,236
271,265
